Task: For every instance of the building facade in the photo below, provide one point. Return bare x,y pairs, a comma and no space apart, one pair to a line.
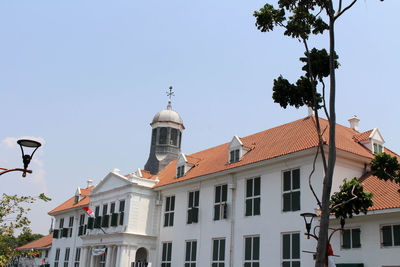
236,204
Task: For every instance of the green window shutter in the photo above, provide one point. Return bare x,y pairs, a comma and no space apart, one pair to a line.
196,198
286,264
217,194
295,200
286,201
355,236
387,236
257,185
249,188
296,179
121,218
247,248
222,249
375,148
90,223
164,252
237,155
224,211
215,250
295,264
189,216
114,219
195,214
194,250
190,203
346,239
232,155
295,246
396,234
216,212
286,246
171,219
224,192
256,206
172,203
287,181
256,248
249,207
188,249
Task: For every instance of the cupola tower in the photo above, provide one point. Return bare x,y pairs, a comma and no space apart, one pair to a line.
166,136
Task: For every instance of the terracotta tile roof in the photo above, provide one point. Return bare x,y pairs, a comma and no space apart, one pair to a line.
282,140
145,174
362,136
386,194
69,204
40,243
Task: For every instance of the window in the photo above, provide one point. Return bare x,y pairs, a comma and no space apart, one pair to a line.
253,196
77,257
378,148
190,254
166,254
76,199
106,217
180,171
61,224
220,207
291,190
71,221
351,238
234,156
82,228
218,257
169,211
154,136
57,257
66,257
174,137
390,235
193,207
55,233
163,136
252,251
112,207
121,211
97,211
291,250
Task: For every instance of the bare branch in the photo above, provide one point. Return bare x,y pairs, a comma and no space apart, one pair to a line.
323,99
309,179
343,203
340,6
338,14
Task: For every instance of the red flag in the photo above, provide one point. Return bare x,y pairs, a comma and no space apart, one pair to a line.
330,250
89,211
43,261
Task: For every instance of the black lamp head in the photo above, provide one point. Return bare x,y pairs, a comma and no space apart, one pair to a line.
308,218
31,144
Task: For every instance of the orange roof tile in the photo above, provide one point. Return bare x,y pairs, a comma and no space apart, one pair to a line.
362,136
282,140
69,204
40,243
145,174
386,194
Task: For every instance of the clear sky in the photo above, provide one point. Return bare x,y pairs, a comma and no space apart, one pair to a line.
87,77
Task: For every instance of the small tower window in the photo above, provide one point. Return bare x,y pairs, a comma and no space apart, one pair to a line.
234,156
174,137
378,148
163,136
154,137
76,200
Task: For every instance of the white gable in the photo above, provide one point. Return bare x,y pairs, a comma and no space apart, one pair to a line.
181,160
376,136
235,143
111,181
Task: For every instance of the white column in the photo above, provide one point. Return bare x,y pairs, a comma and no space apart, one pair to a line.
118,254
108,256
91,259
84,257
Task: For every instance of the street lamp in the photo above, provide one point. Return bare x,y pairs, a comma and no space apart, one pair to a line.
308,218
26,158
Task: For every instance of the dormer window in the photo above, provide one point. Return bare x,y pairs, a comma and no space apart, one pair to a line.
234,156
180,171
76,200
77,196
236,150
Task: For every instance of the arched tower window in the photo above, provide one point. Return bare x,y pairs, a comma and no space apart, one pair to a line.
180,138
174,137
163,136
154,137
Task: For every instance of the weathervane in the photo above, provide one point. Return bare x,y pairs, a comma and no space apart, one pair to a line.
170,94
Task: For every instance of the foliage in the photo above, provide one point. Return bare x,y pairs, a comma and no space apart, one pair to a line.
386,167
13,216
351,199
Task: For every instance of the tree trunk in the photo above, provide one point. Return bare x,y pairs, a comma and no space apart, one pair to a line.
322,246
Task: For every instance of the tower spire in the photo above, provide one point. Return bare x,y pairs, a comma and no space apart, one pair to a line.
170,94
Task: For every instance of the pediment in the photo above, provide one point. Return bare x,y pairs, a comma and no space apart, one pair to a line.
376,136
235,143
111,181
181,160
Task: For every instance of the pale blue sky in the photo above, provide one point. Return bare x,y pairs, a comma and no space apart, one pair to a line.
87,77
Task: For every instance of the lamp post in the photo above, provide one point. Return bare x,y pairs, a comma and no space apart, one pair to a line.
308,218
26,158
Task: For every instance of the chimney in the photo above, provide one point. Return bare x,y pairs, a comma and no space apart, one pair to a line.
354,122
311,112
89,183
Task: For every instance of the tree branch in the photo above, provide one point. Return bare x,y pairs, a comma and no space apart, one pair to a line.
338,14
309,179
344,203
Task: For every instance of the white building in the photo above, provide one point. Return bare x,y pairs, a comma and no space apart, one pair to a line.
236,204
